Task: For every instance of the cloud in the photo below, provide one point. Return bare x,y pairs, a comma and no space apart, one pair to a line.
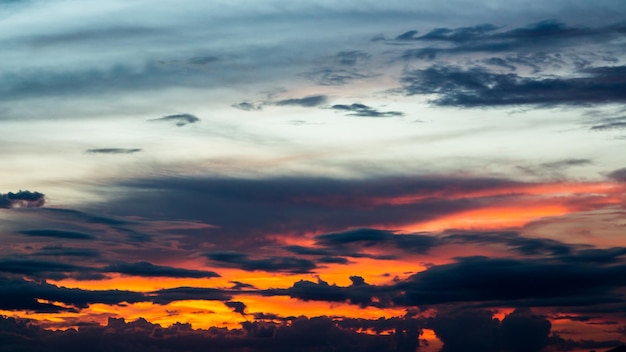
336,76
310,101
238,307
466,330
357,109
179,119
606,124
351,58
166,296
477,330
271,264
372,237
113,151
61,251
546,35
19,294
58,234
618,175
477,87
22,199
248,106
147,269
523,331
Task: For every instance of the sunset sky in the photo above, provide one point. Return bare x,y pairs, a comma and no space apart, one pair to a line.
313,175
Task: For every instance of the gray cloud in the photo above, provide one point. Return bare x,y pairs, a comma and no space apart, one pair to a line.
113,151
477,87
179,119
310,101
248,106
357,109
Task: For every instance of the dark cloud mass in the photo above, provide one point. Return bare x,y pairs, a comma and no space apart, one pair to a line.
22,199
271,264
477,87
545,35
178,119
147,269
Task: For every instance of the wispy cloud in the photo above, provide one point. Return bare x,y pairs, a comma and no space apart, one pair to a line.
178,119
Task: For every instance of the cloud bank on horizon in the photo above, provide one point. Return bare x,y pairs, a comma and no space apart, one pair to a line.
392,176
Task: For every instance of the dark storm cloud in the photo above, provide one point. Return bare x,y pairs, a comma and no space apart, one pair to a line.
146,269
271,264
477,87
548,34
53,233
310,101
357,109
22,199
179,119
113,151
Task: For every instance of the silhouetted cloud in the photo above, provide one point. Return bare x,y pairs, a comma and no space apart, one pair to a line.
466,330
238,307
357,109
113,151
19,294
22,199
169,295
310,101
179,119
272,264
147,269
477,87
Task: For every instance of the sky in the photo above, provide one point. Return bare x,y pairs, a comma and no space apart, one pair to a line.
314,176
